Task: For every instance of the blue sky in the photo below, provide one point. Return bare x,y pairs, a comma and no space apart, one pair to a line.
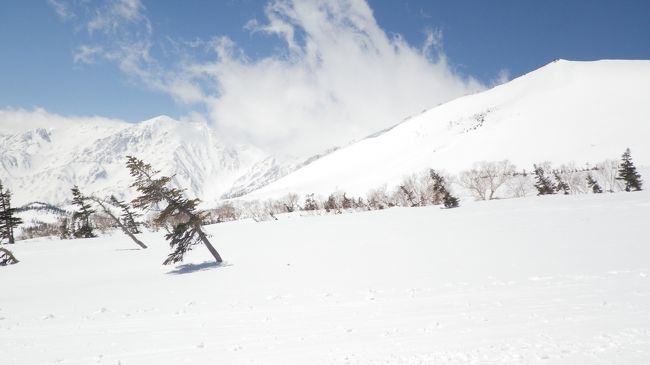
477,42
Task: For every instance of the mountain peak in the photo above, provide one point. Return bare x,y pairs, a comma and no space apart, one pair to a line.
582,111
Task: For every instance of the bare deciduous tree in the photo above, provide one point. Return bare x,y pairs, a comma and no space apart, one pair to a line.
291,202
379,199
608,171
520,185
486,177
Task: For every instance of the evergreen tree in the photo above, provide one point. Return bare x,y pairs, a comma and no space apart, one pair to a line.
440,192
561,185
544,185
8,220
128,217
627,173
186,230
310,203
593,184
438,187
450,201
81,227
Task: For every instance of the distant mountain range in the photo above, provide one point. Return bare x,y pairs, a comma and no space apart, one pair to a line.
41,162
580,111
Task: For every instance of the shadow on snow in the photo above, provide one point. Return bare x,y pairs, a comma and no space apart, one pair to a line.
190,268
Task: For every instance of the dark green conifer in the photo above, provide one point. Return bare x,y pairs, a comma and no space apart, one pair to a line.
310,203
8,219
561,185
450,201
440,192
81,227
593,185
628,174
543,184
178,211
128,217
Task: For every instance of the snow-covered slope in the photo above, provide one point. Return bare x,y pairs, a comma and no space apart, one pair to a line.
43,159
538,280
269,170
565,111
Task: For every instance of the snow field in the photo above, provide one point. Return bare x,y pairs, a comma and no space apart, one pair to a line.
539,280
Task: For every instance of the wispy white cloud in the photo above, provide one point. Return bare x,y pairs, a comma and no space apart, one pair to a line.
339,77
61,9
114,14
18,120
87,54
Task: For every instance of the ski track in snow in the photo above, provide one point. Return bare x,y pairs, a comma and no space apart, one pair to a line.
539,280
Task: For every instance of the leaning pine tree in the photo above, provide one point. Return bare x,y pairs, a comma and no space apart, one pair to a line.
593,185
543,184
123,226
128,217
627,173
561,185
186,231
440,192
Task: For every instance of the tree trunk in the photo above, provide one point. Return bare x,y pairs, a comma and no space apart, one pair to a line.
207,244
119,223
134,238
10,258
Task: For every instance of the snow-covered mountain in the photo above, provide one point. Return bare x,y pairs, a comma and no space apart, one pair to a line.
580,111
565,111
269,170
40,160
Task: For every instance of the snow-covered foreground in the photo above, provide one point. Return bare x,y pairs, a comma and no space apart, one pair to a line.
549,280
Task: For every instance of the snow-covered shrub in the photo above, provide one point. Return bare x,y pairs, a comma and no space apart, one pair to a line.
486,177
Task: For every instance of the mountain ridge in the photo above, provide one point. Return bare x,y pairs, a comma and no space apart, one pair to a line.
582,111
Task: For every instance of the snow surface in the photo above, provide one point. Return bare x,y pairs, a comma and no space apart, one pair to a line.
538,280
584,112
